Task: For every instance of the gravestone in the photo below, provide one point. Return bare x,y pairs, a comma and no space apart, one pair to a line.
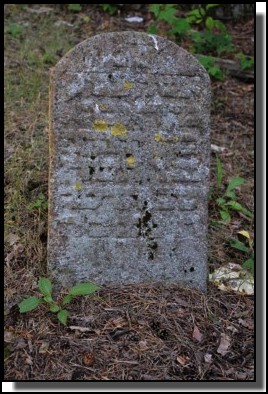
129,163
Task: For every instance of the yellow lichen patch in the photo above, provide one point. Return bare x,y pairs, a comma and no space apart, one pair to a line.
119,130
100,125
128,85
158,138
103,107
77,186
131,161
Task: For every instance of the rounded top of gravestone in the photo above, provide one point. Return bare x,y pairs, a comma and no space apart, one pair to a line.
137,51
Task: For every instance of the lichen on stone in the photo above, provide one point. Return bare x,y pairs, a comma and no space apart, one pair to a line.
131,161
77,186
128,85
100,125
119,130
158,137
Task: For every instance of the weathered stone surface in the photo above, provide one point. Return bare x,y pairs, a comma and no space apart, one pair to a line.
129,163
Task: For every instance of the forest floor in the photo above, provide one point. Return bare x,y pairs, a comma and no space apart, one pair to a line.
131,332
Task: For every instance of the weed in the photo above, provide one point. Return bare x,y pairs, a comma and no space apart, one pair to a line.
209,63
246,247
39,203
109,8
15,30
74,7
227,201
245,61
167,13
45,287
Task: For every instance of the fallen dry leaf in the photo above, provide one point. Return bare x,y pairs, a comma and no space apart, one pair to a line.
208,358
182,360
12,239
44,347
143,345
224,344
246,323
233,329
197,334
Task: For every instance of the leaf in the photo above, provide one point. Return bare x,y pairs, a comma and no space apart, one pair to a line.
215,72
209,23
54,308
182,360
230,194
29,304
74,7
83,289
234,182
234,205
43,347
45,286
208,358
155,9
180,25
62,315
197,334
245,234
238,207
239,245
249,265
225,216
211,6
168,13
48,299
224,344
221,201
12,239
67,299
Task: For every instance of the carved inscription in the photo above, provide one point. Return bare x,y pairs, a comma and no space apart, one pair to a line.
129,145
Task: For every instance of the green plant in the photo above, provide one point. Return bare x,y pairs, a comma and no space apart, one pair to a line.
15,30
74,7
211,42
228,202
45,287
245,61
167,13
201,15
109,8
246,247
209,63
39,203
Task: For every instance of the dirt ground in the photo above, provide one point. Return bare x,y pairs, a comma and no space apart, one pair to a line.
131,332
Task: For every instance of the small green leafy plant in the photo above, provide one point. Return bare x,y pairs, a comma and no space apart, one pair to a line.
167,13
228,202
201,15
245,61
39,203
109,8
209,63
15,30
247,247
74,7
45,287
